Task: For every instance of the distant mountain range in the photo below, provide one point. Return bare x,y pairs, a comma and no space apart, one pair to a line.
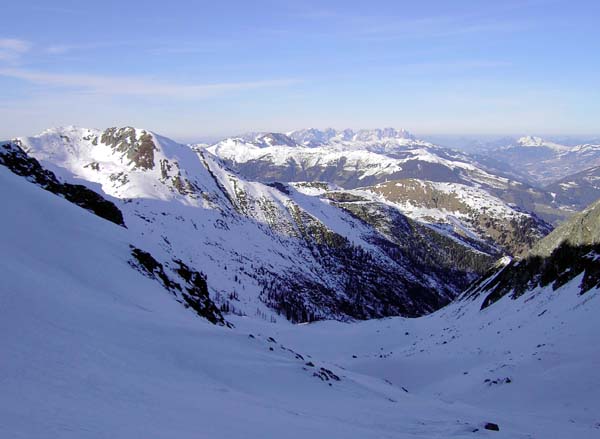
543,162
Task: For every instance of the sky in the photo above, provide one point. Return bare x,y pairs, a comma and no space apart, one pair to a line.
199,69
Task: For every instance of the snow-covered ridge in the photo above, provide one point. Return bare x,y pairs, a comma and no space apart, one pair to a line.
367,153
460,211
350,161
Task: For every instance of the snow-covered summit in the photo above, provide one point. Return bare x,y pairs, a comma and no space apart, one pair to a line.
124,161
538,142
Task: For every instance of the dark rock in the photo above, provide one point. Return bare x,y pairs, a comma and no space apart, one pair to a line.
491,426
192,289
19,162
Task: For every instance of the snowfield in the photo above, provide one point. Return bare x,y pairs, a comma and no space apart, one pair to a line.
93,349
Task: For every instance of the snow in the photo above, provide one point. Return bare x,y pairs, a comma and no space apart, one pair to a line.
228,227
93,349
543,342
474,201
369,154
537,142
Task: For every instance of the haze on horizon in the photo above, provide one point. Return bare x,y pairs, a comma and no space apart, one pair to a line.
199,69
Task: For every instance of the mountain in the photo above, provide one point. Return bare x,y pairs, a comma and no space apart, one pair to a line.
567,255
462,211
378,138
347,158
95,344
186,284
267,250
543,161
578,190
366,158
94,347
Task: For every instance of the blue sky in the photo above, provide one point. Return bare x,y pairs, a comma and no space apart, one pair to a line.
190,69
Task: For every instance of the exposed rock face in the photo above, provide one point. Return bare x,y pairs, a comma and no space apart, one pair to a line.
139,150
491,426
15,159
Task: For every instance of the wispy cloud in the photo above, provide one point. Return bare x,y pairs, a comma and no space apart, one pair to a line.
377,27
11,49
137,86
61,49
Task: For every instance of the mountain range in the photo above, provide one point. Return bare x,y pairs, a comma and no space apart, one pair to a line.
266,250
147,290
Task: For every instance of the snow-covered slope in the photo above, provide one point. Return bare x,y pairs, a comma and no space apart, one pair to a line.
570,252
464,211
532,362
520,342
93,348
267,250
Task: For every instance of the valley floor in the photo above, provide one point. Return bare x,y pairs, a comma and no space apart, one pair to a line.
528,365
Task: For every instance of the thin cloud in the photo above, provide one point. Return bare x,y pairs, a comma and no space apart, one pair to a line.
376,28
61,49
11,49
114,85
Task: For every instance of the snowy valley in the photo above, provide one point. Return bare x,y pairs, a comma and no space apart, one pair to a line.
316,284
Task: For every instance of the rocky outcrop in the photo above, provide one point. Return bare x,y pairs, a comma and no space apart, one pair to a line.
138,149
188,286
19,162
